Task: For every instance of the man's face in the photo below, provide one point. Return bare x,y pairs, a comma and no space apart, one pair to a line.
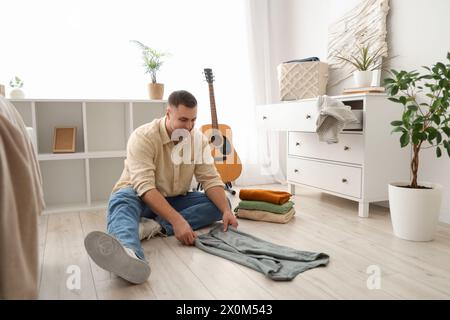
180,118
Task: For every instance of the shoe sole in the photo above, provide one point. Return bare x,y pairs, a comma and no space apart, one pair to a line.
109,254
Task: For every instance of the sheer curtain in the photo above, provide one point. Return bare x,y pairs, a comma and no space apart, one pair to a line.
81,49
264,161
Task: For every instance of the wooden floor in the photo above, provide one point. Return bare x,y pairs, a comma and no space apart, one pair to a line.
323,223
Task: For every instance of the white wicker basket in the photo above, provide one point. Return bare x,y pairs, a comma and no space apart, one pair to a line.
301,80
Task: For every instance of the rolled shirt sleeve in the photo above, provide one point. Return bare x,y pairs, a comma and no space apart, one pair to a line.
141,163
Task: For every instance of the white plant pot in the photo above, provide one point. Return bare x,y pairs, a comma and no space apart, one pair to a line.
415,212
17,93
362,78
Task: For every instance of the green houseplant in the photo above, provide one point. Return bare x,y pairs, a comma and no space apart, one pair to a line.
424,124
365,62
153,61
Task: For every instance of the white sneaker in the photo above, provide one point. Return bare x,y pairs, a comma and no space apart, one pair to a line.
149,228
109,254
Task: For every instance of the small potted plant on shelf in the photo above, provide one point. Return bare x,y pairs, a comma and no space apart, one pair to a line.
152,64
424,124
365,62
16,84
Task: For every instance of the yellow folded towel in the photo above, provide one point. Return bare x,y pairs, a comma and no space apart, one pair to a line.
265,215
272,196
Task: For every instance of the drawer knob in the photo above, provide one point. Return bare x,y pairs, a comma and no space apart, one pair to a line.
297,143
344,180
308,116
264,117
346,148
295,170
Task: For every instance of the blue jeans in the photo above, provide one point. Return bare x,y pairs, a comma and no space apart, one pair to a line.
125,209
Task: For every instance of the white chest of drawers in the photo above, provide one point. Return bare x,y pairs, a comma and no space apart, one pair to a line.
360,166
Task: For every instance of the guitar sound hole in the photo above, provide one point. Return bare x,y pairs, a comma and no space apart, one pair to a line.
217,140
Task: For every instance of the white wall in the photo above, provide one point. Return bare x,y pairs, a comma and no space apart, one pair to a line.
81,49
417,34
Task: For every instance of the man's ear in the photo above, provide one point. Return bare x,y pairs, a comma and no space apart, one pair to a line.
168,112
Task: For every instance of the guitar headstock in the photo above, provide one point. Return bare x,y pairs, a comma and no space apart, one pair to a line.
208,75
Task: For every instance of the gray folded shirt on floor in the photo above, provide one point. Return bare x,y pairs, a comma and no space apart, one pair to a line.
276,262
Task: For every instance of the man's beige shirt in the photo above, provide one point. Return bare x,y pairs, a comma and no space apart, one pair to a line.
149,163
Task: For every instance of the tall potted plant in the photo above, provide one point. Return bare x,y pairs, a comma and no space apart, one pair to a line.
425,122
152,64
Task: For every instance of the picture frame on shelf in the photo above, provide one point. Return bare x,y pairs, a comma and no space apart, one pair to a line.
64,139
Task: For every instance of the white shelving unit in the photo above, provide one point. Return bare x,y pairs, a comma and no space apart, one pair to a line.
82,181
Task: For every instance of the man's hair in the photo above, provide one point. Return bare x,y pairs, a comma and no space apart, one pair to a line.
182,97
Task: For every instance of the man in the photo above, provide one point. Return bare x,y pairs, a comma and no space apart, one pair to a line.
153,188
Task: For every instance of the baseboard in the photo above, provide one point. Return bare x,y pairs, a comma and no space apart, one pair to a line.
384,204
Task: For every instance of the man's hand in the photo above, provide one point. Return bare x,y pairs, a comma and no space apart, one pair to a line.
184,233
181,228
229,218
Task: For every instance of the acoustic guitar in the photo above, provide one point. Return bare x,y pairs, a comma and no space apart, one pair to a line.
219,136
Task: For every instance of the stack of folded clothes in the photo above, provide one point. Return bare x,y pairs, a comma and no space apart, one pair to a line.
265,205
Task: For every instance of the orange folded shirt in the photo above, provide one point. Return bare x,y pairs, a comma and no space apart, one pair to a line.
272,196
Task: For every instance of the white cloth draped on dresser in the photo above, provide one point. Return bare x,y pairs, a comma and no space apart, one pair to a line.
333,116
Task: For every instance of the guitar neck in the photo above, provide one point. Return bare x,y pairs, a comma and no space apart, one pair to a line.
212,102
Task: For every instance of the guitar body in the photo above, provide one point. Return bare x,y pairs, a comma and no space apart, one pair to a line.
219,136
225,157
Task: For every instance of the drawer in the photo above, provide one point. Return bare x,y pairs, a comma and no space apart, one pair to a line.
289,116
330,177
349,148
296,116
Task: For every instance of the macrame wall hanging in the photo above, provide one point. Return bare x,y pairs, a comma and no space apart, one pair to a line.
364,25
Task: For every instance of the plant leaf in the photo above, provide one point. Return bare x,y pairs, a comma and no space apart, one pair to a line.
394,90
398,129
432,133
436,119
447,146
446,130
404,139
402,100
441,66
438,138
415,138
394,100
413,108
422,136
